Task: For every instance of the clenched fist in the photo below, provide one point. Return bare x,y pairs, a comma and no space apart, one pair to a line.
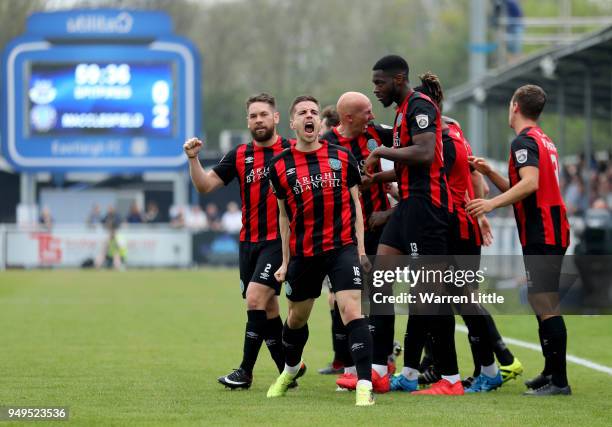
192,147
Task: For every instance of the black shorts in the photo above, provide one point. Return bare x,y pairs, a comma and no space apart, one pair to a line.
371,239
305,274
463,253
258,263
416,227
543,267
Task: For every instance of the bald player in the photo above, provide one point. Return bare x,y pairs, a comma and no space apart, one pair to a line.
360,136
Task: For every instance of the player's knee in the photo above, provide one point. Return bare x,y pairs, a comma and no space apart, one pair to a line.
272,308
296,319
256,300
349,310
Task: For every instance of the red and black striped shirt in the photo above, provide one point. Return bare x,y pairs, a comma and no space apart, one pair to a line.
375,198
250,163
315,187
541,217
418,114
459,177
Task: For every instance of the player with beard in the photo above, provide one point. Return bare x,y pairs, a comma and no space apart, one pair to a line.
316,184
260,243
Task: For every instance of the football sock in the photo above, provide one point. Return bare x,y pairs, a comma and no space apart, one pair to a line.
360,342
428,356
253,337
292,369
410,373
479,343
294,341
382,328
333,335
490,370
443,340
453,379
341,341
547,363
503,354
554,337
351,370
381,370
274,341
414,339
475,357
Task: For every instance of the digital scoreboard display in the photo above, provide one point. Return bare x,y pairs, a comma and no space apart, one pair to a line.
95,98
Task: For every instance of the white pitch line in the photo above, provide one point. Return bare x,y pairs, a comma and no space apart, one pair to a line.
577,360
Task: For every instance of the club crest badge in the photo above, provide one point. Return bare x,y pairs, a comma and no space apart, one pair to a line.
372,145
335,164
398,121
521,156
422,121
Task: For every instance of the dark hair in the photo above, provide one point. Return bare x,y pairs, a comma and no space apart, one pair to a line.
262,97
392,64
430,86
531,100
302,98
330,114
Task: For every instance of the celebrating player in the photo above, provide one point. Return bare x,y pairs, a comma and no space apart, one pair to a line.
419,224
322,233
533,190
260,244
465,238
356,133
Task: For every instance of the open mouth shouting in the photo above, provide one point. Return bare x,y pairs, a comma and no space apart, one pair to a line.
309,128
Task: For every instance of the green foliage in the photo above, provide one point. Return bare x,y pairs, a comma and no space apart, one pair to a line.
321,47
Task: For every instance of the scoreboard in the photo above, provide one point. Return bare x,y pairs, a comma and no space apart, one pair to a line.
101,99
99,90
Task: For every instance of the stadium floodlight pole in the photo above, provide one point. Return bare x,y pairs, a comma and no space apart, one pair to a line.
478,67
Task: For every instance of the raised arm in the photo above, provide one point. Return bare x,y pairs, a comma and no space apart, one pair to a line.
204,181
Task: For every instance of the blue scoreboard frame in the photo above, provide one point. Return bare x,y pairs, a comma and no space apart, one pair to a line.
102,38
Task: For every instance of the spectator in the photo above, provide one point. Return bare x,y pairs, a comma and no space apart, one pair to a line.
575,196
177,219
603,189
512,10
600,204
212,214
329,119
196,219
114,252
95,216
232,218
45,219
152,216
134,216
111,220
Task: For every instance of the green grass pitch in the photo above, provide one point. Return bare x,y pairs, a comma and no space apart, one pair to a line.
146,347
